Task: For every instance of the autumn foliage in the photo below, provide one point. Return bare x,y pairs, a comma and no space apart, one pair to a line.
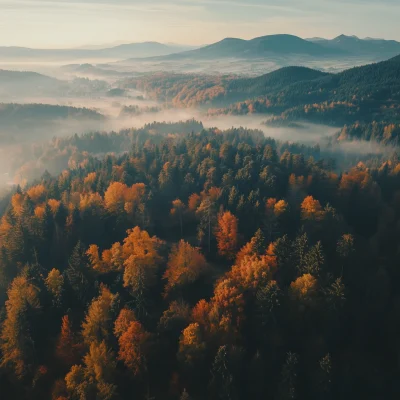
227,235
186,264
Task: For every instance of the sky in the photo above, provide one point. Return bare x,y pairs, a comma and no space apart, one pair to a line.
74,23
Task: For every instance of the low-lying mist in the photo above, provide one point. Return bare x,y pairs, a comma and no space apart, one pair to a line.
132,110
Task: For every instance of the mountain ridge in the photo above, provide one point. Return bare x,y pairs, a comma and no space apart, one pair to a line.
140,49
259,47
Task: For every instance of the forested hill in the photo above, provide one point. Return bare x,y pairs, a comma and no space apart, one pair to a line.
22,76
41,121
360,94
12,113
212,265
26,82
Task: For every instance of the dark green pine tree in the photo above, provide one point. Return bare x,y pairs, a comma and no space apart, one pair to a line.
324,378
79,276
268,300
259,242
313,261
17,243
287,386
6,273
46,238
300,247
73,227
222,386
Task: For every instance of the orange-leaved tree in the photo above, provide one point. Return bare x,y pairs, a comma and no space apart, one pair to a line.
186,264
227,235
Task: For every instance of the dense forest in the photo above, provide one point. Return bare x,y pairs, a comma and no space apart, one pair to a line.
203,264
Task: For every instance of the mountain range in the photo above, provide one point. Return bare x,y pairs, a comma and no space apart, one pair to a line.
264,47
280,46
355,45
139,50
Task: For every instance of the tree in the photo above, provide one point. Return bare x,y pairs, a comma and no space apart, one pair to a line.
222,384
300,248
287,387
97,326
324,378
345,247
191,345
175,318
95,378
268,300
133,348
68,348
256,246
313,261
177,210
304,289
227,235
125,317
226,313
311,209
55,285
253,272
186,264
335,295
114,197
78,274
140,252
207,213
120,199
17,342
274,212
94,258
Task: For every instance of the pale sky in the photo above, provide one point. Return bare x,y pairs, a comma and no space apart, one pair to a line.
71,23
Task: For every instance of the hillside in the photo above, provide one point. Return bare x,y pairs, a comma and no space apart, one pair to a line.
364,93
22,112
26,82
24,76
194,89
34,122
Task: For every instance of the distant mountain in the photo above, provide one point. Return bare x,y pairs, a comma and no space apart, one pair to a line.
356,46
146,49
261,47
94,70
123,51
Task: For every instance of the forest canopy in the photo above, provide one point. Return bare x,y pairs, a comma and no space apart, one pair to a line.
205,264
